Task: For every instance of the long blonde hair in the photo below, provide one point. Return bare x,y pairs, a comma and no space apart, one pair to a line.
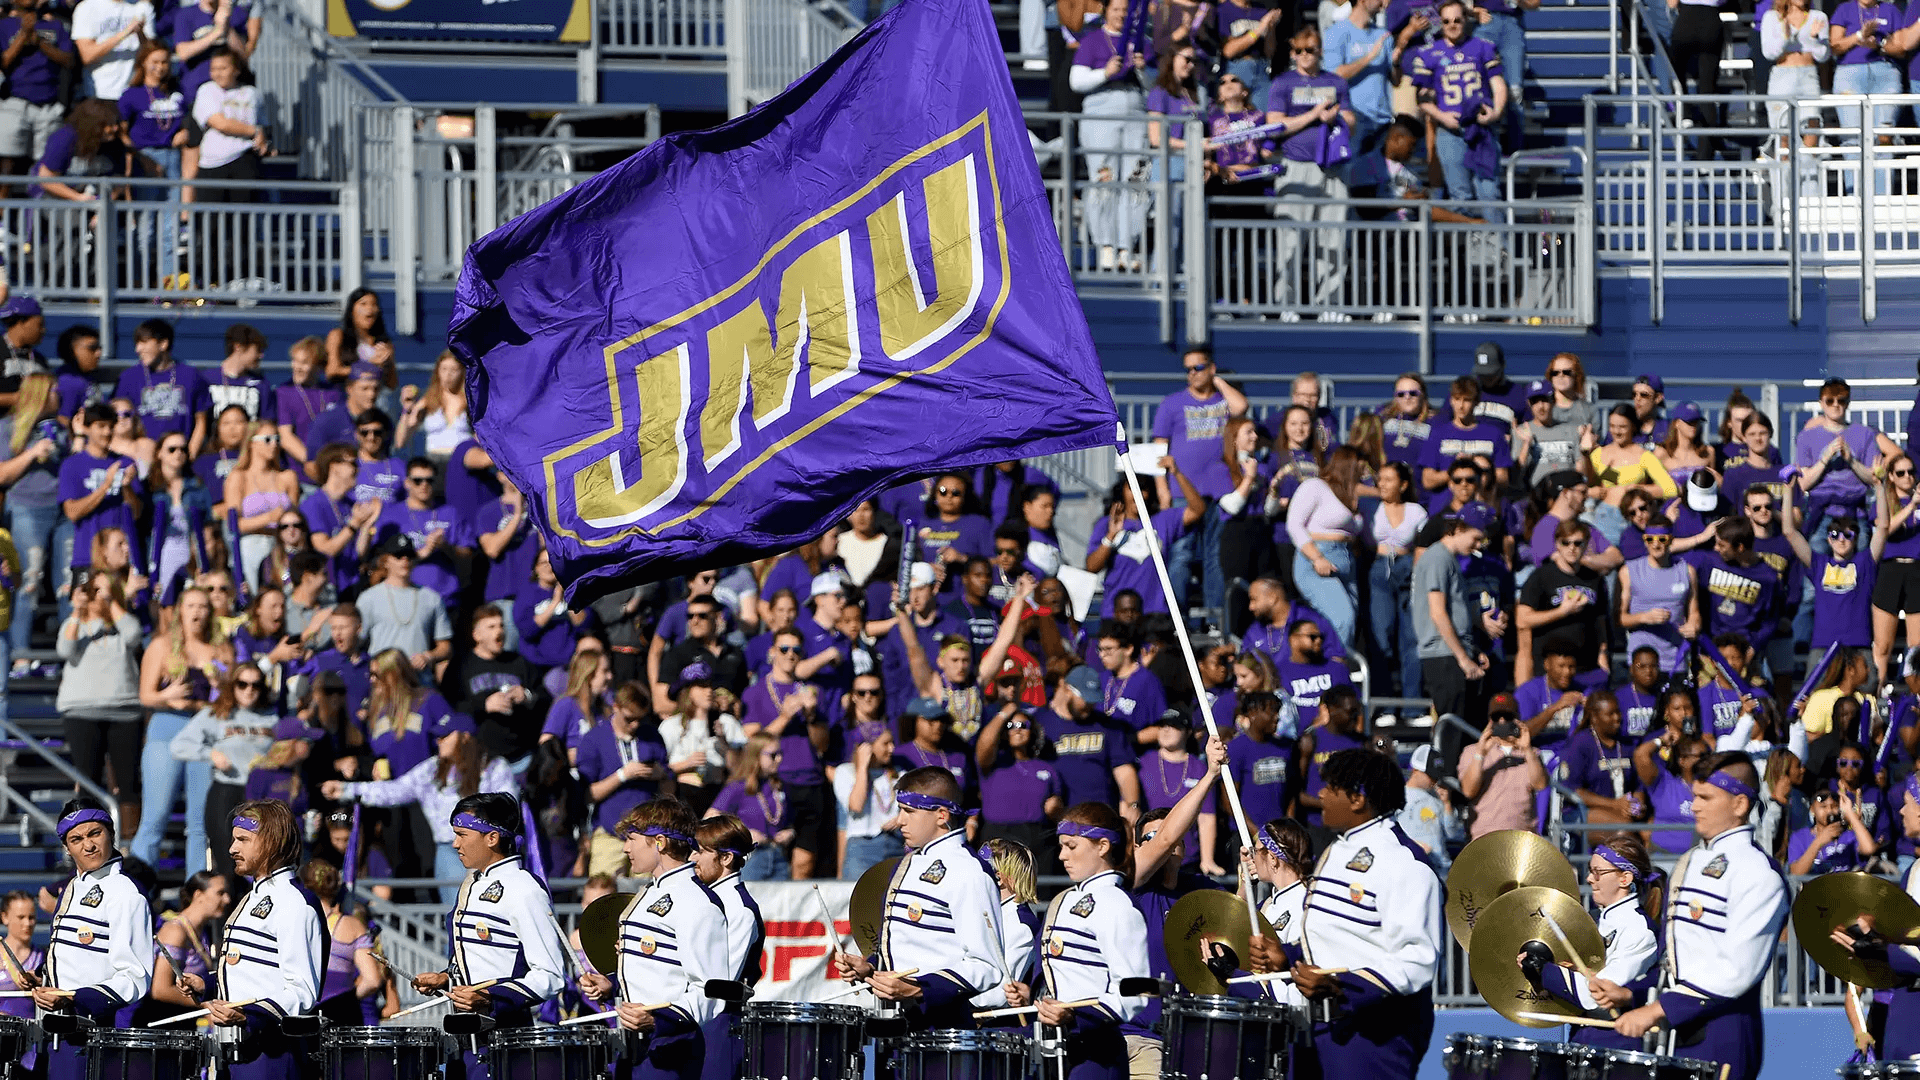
244,461
28,408
580,672
435,398
393,687
747,769
177,634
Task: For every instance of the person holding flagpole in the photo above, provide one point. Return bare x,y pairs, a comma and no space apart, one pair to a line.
100,950
673,941
274,950
507,955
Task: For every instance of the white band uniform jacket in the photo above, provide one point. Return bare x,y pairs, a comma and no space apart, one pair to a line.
746,931
1728,904
274,951
1019,935
1373,907
504,936
673,938
101,946
1286,910
943,918
1094,940
1632,950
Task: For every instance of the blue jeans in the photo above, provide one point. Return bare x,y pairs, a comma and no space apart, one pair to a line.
768,862
1872,77
1506,34
1389,604
1462,186
864,852
1180,567
447,867
44,538
163,221
1336,597
1660,23
161,775
1213,579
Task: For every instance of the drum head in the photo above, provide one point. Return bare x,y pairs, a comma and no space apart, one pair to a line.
1000,1042
359,1038
147,1039
803,1012
530,1038
1220,1007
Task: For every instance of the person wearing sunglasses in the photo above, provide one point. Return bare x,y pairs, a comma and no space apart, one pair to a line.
1462,88
1236,110
335,426
1562,606
1739,591
1836,841
263,489
1897,587
98,488
1656,598
1021,792
1315,113
1192,420
1109,70
1543,446
951,529
1843,578
381,475
440,536
1837,459
230,734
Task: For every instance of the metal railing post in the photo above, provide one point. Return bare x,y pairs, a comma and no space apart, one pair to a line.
105,249
352,269
1657,220
486,162
1869,302
1770,404
1199,237
1163,228
1794,297
1423,287
586,74
406,234
1613,48
735,30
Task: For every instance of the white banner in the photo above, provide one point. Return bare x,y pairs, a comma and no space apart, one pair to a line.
795,960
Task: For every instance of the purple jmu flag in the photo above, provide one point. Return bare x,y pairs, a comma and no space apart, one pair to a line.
713,351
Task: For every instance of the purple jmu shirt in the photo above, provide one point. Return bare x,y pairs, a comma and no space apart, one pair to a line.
1672,802
1261,771
1292,94
1016,792
1193,428
1849,18
765,812
1221,122
166,400
1099,45
1132,563
153,117
385,479
80,476
300,406
800,765
1838,486
1841,591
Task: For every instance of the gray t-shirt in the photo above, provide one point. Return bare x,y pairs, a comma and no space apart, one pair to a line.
1574,415
1554,448
1439,571
412,619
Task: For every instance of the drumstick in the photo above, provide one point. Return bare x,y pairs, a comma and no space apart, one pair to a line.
588,1019
441,999
1025,1009
1556,1018
1579,965
198,1013
833,936
391,966
1276,976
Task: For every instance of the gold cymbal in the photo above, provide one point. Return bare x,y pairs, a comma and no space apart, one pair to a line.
600,931
1496,864
1206,936
1832,900
868,905
1506,926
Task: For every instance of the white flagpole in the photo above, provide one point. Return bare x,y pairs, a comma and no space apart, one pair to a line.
1193,672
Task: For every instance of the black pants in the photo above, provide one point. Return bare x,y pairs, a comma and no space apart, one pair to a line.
94,743
221,801
1452,692
244,167
1695,50
815,824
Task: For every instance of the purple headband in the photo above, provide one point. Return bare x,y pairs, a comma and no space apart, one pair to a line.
1913,786
81,817
1617,861
1090,832
919,800
1658,530
986,859
465,820
1731,785
669,833
1273,848
247,824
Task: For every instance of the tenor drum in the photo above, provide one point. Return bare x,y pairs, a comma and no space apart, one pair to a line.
965,1055
1223,1038
803,1040
1689,1069
144,1054
382,1053
1527,1059
1905,1069
548,1053
16,1042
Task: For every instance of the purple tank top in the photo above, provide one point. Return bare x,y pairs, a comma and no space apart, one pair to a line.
1672,800
19,1007
1654,587
341,971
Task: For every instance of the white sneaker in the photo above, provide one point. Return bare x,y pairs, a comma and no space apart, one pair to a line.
1451,319
1383,316
1334,317
1033,65
1289,316
1106,256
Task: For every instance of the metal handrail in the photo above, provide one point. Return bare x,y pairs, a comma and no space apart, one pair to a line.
65,768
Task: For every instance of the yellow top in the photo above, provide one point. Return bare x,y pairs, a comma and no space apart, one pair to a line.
1818,714
1647,470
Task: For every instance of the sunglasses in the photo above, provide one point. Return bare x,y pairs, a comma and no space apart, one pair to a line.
1191,368
1571,543
1459,479
182,450
1765,508
866,693
1014,551
1568,372
370,432
1643,394
1842,402
123,415
1839,534
220,588
1453,22
1851,763
786,648
285,525
1406,393
266,438
1312,637
947,492
1903,472
692,615
419,479
248,684
1306,52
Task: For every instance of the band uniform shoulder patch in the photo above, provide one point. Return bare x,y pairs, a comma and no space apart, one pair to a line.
1083,907
93,897
665,905
493,893
1362,862
1281,923
935,873
1608,943
1716,868
262,909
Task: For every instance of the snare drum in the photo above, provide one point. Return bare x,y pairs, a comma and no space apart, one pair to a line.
144,1054
1689,1069
16,1042
965,1055
1223,1038
548,1053
1494,1058
1466,1056
1904,1069
382,1053
803,1040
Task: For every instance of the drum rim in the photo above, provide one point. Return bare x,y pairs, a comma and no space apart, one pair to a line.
545,1035
371,1036
956,1039
812,1011
1219,1006
1631,1057
182,1040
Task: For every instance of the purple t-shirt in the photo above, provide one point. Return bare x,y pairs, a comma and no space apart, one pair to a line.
1586,765
1838,486
1221,122
1738,478
80,476
325,516
1401,12
1534,695
1459,76
551,645
1292,94
1636,713
1087,754
1849,18
1306,682
567,722
1406,439
1132,563
602,753
1163,783
79,389
35,78
765,811
800,765
1738,598
969,534
300,406
1672,802
1139,701
1016,792
385,479
1261,771
1502,406
895,672
1841,591
1834,856
1449,440
250,392
436,571
1194,429
213,468
468,488
1175,108
1099,45
1271,638
166,400
152,117
405,744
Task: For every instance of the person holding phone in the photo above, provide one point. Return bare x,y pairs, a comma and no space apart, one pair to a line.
1502,771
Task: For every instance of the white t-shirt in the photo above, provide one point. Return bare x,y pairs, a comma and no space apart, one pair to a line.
97,20
880,804
443,435
240,103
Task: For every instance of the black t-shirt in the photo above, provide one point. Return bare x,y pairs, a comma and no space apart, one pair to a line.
729,666
1583,634
18,363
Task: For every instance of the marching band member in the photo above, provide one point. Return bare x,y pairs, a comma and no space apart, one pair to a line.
506,949
724,844
274,949
1728,904
942,913
1900,1035
673,939
1373,908
100,952
1282,850
1626,889
1011,864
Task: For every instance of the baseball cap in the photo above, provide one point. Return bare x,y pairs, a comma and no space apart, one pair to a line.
1564,480
19,306
1538,389
1476,515
831,581
1422,759
1702,495
699,671
1489,359
1010,669
1658,385
1687,411
921,575
927,708
399,544
1085,682
1503,705
292,727
451,723
363,370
